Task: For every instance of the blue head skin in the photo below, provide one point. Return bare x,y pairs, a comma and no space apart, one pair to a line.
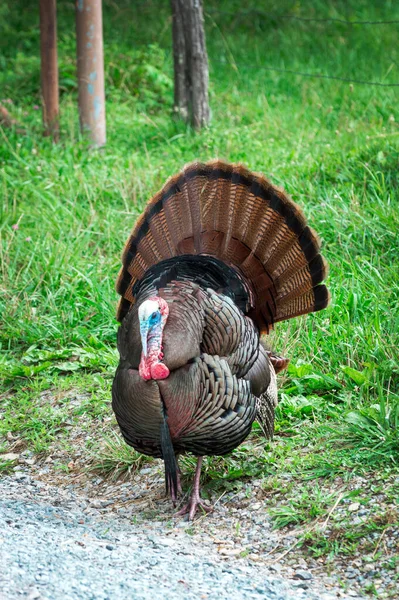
149,318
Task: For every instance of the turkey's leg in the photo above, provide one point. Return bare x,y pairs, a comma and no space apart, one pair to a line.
178,476
195,499
173,495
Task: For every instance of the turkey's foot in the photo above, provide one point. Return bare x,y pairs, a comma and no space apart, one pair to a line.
195,499
192,506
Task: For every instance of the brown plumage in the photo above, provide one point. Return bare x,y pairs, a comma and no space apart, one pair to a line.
218,256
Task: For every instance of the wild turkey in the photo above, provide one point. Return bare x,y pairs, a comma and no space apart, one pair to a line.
218,257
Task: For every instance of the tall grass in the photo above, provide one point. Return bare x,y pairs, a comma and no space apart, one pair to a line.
66,211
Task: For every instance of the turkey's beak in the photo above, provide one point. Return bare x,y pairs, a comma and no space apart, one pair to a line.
144,333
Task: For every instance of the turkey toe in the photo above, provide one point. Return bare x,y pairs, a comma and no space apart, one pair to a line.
192,506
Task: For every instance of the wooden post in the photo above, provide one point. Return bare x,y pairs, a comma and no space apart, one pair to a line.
181,89
190,62
49,67
194,25
90,59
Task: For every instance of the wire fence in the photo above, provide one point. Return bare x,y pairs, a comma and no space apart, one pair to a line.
256,11
276,16
237,67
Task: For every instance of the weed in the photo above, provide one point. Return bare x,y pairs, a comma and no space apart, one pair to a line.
116,459
6,466
377,427
309,504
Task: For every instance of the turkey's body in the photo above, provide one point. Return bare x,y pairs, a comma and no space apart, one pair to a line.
210,396
219,256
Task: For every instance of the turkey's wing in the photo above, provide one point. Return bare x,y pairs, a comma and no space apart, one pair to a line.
224,411
264,385
228,333
138,409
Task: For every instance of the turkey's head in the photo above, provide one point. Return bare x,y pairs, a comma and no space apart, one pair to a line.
153,314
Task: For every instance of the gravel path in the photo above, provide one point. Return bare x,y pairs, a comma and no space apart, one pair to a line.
51,547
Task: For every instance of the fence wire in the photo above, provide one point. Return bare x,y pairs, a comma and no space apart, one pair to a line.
256,11
238,66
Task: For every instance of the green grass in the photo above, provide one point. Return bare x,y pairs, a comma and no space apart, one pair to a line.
333,146
114,458
6,466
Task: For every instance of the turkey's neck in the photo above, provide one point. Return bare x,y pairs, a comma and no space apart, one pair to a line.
151,366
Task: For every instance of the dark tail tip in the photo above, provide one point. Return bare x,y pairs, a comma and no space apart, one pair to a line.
169,457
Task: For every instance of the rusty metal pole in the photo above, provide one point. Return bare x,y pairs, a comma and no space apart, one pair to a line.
49,67
89,41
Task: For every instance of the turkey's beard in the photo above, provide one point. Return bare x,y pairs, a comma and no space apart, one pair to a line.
151,366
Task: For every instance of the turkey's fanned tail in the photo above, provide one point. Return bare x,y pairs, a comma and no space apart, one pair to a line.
238,217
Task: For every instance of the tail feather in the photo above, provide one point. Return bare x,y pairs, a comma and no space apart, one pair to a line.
240,218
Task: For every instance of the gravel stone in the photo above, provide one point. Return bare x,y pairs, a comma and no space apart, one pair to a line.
301,574
52,547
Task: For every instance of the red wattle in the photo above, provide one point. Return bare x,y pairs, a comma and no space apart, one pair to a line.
144,370
159,371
